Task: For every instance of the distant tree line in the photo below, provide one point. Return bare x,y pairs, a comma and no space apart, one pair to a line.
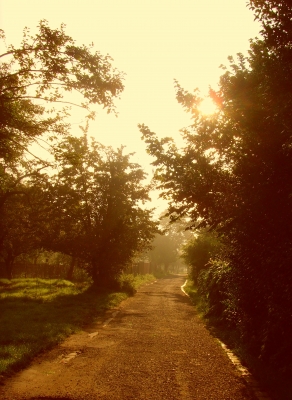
233,178
80,199
165,252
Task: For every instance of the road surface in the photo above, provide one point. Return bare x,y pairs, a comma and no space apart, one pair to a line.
154,347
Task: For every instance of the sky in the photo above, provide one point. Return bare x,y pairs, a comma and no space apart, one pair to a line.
153,42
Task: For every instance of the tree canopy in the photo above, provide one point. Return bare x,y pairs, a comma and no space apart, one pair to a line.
37,82
234,173
96,207
87,201
43,71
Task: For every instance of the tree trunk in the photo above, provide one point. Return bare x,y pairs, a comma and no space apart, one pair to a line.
103,278
94,271
9,265
71,269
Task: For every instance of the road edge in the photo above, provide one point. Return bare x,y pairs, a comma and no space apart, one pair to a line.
251,382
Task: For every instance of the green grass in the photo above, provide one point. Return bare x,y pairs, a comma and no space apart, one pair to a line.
196,299
130,283
142,279
36,314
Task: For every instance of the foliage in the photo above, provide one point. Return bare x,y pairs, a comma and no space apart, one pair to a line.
197,300
42,71
215,285
95,208
34,79
276,18
198,252
87,203
37,81
234,175
17,233
270,379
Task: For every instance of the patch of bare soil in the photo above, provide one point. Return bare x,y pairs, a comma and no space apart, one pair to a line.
153,347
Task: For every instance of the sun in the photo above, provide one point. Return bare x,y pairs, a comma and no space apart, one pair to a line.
207,106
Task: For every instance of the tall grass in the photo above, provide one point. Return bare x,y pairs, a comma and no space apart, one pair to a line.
36,314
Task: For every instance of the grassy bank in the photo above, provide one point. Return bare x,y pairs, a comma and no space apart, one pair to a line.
270,380
36,314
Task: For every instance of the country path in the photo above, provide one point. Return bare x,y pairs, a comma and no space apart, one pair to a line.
154,347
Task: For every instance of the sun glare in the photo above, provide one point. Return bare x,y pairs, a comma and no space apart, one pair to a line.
207,106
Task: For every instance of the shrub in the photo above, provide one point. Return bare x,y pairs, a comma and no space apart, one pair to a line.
215,286
127,284
198,251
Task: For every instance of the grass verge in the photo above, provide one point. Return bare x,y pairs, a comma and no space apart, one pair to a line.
36,314
196,299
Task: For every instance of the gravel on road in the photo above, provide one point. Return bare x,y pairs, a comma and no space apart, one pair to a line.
153,347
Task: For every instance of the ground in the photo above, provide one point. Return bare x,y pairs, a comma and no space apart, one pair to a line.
152,347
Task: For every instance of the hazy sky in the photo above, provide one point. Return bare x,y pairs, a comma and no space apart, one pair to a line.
153,42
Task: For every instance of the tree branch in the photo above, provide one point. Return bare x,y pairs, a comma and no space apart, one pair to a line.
48,100
32,84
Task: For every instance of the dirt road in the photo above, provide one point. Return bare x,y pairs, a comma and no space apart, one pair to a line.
153,347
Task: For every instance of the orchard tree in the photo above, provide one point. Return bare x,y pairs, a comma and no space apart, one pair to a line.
37,82
17,235
96,208
21,223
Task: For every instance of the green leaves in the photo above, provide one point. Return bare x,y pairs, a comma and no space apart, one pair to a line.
95,207
234,173
46,69
37,80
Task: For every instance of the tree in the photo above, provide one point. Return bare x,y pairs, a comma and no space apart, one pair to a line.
37,83
16,232
95,210
234,176
34,79
276,18
41,73
21,222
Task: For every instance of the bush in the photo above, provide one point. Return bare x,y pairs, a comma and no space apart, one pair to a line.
129,283
197,253
215,286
